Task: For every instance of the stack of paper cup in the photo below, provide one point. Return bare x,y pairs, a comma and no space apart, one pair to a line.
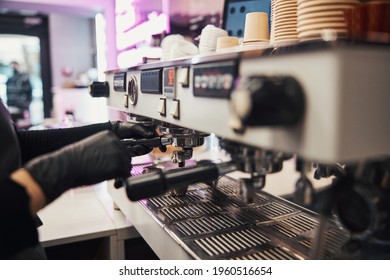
208,38
176,46
323,19
284,23
256,33
256,27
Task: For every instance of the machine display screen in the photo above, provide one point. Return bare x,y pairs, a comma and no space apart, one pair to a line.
214,79
120,82
151,81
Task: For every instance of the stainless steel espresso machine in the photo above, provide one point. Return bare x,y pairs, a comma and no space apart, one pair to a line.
323,104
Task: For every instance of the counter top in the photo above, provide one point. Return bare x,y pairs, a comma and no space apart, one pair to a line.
82,214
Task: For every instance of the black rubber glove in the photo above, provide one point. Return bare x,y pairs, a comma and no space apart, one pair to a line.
138,150
96,158
129,130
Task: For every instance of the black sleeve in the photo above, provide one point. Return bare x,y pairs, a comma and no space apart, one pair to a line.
18,230
37,142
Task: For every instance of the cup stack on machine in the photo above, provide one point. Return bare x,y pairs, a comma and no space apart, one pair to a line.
284,22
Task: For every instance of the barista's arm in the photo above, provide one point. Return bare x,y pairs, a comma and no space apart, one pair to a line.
20,197
34,191
34,143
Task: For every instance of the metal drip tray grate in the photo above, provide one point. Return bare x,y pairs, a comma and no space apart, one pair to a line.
277,253
275,209
215,223
295,225
190,211
334,240
231,242
229,188
301,223
167,200
206,225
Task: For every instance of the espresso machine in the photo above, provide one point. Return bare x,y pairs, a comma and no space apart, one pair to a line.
322,105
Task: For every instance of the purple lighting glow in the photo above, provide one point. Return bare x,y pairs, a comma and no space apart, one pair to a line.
156,24
136,21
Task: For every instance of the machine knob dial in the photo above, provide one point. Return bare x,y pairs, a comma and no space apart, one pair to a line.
99,89
133,90
267,101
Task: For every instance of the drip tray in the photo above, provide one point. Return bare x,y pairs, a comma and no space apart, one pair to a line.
215,223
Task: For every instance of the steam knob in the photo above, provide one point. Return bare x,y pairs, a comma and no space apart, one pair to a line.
267,101
99,89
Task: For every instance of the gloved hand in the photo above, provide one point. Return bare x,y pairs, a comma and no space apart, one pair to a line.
96,158
129,130
138,150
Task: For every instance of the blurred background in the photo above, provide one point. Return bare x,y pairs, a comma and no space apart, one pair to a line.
62,46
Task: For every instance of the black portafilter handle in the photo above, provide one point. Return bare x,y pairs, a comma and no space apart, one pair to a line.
157,182
154,142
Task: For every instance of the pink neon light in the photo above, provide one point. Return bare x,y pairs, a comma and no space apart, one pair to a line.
155,25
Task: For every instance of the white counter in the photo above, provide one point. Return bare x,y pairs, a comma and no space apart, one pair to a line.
83,214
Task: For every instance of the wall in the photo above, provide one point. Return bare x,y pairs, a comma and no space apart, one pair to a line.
77,9
71,41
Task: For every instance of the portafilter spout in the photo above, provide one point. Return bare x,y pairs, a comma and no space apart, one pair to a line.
185,138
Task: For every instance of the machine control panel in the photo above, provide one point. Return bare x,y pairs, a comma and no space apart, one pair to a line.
214,79
277,100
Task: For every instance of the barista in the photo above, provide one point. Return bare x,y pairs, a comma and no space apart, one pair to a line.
36,167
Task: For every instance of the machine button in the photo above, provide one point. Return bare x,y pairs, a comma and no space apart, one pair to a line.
126,101
161,108
183,76
175,109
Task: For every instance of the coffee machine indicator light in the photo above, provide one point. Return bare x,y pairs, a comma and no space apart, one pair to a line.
169,79
214,80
